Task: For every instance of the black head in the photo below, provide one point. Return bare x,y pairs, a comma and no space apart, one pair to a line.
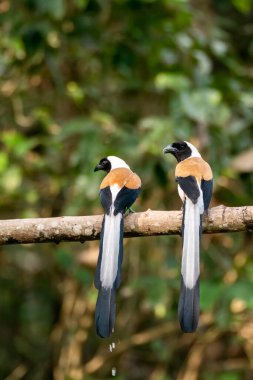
180,149
104,164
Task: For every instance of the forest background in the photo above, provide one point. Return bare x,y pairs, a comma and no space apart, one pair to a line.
81,79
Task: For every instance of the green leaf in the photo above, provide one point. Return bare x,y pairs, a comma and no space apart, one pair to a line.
3,161
211,293
205,106
172,81
229,376
243,6
241,290
17,143
55,8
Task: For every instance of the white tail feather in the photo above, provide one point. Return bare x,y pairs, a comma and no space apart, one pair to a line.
111,238
190,258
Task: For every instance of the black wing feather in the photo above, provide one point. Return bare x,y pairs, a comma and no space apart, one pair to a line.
190,187
106,199
207,189
125,198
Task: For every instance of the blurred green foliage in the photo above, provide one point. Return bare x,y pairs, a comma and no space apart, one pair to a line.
81,79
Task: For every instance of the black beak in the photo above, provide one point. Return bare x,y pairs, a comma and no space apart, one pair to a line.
169,149
98,167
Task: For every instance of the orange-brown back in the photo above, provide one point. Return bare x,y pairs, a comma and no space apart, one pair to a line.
121,177
196,167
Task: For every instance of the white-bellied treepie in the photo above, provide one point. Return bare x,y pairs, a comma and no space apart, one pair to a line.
195,184
118,191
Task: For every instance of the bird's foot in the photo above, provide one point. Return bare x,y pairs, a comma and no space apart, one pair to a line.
129,211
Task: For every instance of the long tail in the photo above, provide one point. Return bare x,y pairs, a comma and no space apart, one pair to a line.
188,309
108,272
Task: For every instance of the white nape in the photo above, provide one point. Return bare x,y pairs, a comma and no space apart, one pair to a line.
195,152
117,162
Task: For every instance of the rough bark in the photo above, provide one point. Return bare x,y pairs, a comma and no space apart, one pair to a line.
148,223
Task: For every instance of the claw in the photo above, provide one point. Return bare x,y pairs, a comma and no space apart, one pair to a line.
129,211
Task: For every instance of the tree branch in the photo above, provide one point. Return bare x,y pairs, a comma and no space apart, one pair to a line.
148,223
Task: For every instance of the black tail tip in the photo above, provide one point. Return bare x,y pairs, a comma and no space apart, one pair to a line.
105,312
188,308
103,332
188,326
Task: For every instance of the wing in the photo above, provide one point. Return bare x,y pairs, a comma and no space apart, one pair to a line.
106,199
125,198
207,189
190,187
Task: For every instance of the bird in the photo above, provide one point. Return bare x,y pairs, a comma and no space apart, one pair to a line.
195,185
118,191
